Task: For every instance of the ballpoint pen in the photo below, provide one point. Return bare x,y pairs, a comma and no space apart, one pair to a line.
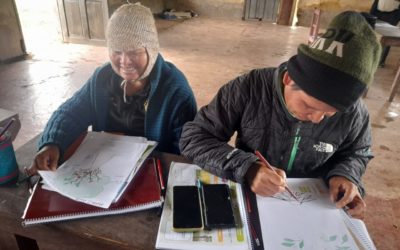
259,155
160,175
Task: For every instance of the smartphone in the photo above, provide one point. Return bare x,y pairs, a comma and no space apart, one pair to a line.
217,206
186,209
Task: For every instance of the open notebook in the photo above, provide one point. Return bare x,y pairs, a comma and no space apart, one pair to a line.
100,169
313,222
269,223
142,193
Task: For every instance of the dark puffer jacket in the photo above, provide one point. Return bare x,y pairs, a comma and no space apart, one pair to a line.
252,105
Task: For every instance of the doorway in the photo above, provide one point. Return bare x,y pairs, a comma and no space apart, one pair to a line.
262,10
40,24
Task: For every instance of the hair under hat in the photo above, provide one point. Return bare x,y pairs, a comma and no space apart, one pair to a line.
130,27
338,67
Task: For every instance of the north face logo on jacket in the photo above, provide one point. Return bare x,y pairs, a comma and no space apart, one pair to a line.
323,147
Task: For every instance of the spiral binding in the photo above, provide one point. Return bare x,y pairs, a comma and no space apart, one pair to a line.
242,204
361,235
115,211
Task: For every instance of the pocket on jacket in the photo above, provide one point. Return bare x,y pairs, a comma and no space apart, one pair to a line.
312,153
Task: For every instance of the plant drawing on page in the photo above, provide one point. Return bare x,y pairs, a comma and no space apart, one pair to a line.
86,175
337,242
290,243
301,196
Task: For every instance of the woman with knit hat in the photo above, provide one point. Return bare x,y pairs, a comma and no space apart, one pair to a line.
136,93
305,116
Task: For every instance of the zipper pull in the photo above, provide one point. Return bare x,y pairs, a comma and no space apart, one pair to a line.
295,147
146,104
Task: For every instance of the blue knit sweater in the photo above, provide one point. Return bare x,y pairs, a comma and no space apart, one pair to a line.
171,103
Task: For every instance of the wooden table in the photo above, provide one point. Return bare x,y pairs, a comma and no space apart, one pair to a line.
136,230
390,36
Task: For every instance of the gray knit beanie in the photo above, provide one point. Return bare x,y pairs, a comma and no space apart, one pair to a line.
130,27
338,66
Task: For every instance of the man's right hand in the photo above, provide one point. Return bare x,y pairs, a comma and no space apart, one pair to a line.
45,159
264,181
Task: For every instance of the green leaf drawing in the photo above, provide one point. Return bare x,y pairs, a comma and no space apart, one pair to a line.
288,244
333,238
344,238
289,240
301,245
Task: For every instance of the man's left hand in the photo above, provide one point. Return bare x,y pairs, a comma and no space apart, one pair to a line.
345,193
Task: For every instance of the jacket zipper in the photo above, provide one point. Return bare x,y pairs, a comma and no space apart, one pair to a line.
145,105
293,153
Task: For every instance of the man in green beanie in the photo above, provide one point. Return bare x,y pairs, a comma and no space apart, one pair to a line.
305,117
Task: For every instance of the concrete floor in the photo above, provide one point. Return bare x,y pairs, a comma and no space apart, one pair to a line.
210,52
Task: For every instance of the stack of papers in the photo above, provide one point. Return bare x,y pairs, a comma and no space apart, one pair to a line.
100,169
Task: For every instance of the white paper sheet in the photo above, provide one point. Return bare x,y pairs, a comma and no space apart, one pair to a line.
314,223
98,169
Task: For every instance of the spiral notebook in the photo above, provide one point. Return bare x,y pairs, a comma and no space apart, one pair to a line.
236,238
276,222
142,193
280,221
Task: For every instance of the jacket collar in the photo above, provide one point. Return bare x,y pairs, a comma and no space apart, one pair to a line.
155,74
278,86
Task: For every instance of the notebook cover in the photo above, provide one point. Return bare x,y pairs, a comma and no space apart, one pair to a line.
142,193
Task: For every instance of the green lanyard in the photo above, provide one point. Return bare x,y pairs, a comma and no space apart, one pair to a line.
296,142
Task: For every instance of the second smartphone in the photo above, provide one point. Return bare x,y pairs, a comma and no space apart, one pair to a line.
217,206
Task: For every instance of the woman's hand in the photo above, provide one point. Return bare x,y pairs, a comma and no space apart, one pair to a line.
46,159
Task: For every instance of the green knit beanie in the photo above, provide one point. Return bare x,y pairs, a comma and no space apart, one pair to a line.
338,66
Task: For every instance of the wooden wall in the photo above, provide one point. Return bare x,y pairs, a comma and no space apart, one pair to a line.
329,8
11,40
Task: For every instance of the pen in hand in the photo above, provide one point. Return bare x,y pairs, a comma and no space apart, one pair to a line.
259,155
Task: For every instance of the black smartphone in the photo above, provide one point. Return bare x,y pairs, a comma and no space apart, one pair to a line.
217,206
186,209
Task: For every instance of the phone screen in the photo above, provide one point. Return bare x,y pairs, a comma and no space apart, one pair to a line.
217,206
187,214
